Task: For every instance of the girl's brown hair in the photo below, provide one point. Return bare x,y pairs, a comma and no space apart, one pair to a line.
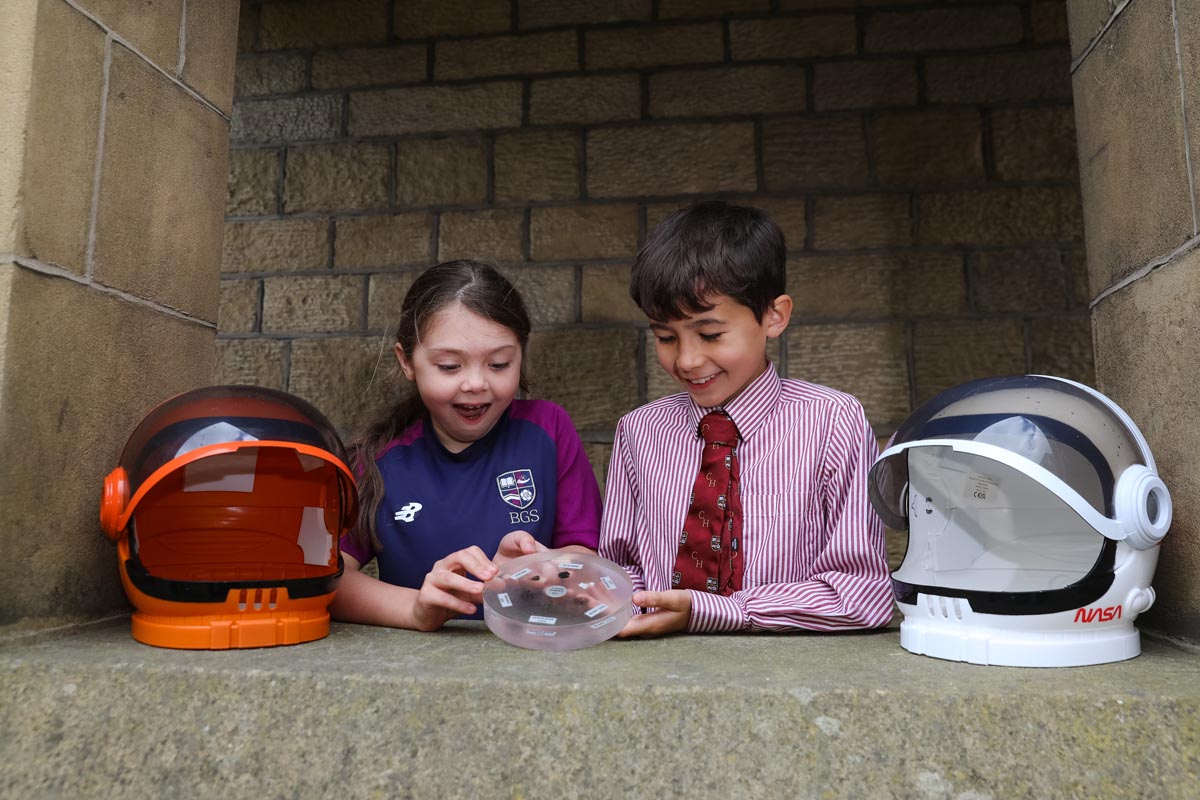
482,290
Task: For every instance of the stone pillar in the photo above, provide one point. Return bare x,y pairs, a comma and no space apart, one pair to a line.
1136,75
113,158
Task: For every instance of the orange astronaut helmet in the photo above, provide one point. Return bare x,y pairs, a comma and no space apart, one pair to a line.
227,506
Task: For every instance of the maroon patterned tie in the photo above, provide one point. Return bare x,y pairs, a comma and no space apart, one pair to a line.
710,557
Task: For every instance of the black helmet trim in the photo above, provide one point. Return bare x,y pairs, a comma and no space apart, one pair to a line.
218,591
1050,601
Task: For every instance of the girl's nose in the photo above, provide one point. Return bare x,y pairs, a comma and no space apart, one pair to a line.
474,380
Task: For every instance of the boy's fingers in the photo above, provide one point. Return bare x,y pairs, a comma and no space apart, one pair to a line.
669,600
653,624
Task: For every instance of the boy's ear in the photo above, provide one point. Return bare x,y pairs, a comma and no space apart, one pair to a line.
775,321
405,366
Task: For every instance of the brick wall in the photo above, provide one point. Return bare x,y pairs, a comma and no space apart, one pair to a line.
920,159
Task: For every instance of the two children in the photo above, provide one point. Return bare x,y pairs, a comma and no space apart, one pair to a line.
739,504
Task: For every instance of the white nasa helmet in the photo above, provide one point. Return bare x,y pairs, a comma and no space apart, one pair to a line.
1034,511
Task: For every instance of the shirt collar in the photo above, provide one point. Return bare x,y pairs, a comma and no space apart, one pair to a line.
751,407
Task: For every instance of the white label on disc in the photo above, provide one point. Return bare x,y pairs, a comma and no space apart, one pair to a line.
603,622
536,620
556,591
608,582
535,632
519,575
981,487
597,611
504,599
570,565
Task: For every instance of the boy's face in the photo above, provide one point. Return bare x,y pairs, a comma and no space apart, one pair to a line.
715,354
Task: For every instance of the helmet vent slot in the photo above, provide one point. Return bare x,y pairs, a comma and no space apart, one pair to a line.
242,600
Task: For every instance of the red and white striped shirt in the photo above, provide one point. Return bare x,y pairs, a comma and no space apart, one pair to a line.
813,547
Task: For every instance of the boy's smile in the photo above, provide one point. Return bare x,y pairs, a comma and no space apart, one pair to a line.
716,353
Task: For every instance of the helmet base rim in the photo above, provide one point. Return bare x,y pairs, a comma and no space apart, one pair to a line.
229,632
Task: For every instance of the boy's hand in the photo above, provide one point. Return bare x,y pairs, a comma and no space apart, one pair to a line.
672,610
447,592
515,545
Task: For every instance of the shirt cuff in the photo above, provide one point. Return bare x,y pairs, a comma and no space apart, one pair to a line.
715,613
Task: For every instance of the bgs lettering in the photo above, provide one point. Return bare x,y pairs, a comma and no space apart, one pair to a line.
519,517
1098,614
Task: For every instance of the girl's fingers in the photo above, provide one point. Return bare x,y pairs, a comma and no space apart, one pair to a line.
433,596
453,582
471,560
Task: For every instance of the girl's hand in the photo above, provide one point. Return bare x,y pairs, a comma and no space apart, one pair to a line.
515,545
672,610
447,592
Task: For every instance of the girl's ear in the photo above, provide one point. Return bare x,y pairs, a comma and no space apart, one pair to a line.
405,364
775,321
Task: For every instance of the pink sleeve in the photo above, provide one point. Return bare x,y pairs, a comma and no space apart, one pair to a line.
577,519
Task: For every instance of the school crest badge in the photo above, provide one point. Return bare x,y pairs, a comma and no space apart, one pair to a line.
517,488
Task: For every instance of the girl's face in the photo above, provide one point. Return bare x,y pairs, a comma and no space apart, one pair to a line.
467,370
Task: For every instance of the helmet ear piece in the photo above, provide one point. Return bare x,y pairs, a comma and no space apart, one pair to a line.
1143,506
113,501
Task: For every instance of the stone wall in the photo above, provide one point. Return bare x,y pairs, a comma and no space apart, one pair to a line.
1137,79
114,156
921,162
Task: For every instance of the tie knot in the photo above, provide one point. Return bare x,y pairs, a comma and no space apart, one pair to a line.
718,428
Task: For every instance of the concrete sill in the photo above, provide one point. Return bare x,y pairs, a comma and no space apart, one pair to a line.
374,712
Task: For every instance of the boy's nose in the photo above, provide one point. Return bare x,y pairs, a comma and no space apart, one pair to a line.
688,357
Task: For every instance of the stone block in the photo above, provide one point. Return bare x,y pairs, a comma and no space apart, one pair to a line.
385,297
257,362
1152,376
313,304
1000,216
238,309
556,51
591,372
840,85
390,240
336,177
81,368
1062,347
605,294
318,23
673,9
1086,18
346,377
1075,264
943,29
420,19
61,134
810,5
813,151
1018,281
635,48
587,99
441,171
895,285
724,91
253,186
275,245
247,26
491,235
286,120
365,66
869,361
269,73
598,455
803,37
1189,64
210,49
423,109
537,165
670,159
1049,20
151,28
1031,144
928,147
852,222
948,353
549,13
161,200
579,232
1013,77
1133,146
550,293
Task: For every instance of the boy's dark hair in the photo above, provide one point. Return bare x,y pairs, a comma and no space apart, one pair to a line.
708,249
482,290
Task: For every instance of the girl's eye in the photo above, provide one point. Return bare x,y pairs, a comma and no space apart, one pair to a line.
710,337
501,366
447,367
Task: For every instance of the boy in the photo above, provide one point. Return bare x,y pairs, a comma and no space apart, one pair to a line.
740,504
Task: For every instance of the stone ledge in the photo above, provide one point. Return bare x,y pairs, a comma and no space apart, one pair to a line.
375,712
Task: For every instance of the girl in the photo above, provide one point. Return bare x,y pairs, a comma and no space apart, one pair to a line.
459,468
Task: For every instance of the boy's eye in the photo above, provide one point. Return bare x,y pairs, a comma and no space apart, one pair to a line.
664,339
710,337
